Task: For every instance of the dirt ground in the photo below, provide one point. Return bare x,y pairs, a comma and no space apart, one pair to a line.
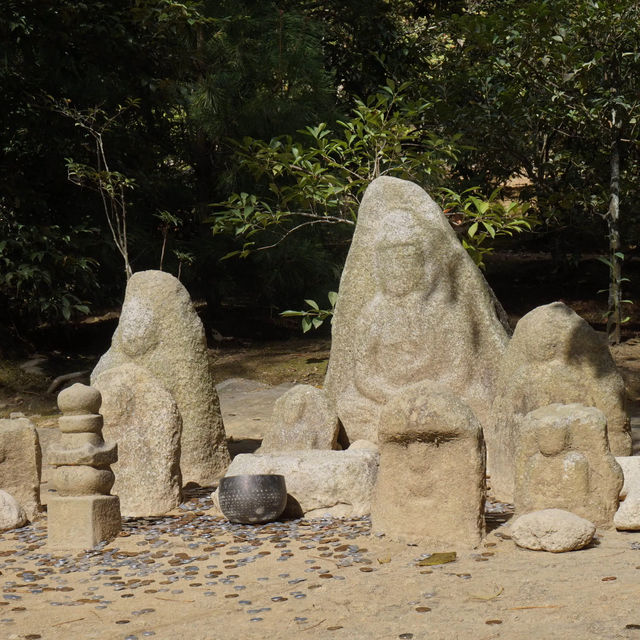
192,575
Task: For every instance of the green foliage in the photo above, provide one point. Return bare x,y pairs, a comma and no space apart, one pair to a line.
314,316
320,179
43,273
478,221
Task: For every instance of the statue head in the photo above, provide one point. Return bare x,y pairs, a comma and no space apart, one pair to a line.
552,438
408,257
399,256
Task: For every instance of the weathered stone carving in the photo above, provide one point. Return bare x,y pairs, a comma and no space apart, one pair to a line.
563,462
20,464
411,306
431,481
554,356
82,514
302,419
142,417
160,331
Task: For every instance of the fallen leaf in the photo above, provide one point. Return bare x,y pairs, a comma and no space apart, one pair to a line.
384,560
438,558
487,598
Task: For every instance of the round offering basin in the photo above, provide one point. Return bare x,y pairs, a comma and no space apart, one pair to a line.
252,499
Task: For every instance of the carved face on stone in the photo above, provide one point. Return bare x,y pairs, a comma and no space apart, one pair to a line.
137,328
400,268
400,256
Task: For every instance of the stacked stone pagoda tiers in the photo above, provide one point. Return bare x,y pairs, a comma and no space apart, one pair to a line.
82,514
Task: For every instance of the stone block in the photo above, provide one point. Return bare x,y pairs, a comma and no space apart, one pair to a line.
627,516
82,522
431,482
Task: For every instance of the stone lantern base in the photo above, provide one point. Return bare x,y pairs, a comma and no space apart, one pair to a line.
82,522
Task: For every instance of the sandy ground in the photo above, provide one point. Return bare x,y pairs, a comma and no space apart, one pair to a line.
191,575
197,577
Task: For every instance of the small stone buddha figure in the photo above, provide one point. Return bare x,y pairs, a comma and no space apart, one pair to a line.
557,472
554,356
563,461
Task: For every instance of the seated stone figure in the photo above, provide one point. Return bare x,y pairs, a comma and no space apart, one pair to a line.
563,461
411,306
556,470
160,332
393,328
302,419
553,357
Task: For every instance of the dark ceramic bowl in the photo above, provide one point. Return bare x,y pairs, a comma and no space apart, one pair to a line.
251,499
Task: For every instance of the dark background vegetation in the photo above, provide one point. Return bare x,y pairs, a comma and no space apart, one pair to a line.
540,98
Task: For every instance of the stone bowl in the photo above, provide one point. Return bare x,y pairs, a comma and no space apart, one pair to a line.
252,499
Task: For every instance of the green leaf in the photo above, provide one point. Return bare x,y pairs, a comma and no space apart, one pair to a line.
472,230
306,324
333,298
313,304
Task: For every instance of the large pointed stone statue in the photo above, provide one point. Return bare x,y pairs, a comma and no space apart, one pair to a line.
160,331
411,306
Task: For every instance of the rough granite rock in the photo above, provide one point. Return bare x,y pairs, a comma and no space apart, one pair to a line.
21,463
563,462
160,331
411,306
627,516
431,481
318,482
12,515
364,444
552,530
554,356
142,417
302,419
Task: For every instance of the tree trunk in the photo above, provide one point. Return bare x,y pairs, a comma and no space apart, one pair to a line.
614,318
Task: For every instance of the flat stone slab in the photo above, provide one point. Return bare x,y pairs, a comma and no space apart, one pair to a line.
338,483
247,405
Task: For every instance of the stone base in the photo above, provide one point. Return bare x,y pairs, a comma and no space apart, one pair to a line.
82,522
